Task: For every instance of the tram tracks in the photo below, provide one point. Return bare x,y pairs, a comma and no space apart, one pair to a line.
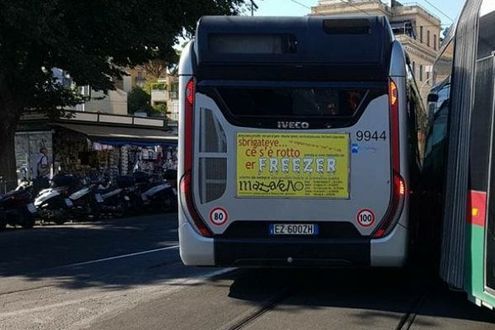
294,293
267,306
408,318
271,304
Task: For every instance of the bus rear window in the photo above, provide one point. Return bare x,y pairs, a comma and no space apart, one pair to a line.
286,102
251,44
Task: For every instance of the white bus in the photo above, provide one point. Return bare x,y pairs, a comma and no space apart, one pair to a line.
297,138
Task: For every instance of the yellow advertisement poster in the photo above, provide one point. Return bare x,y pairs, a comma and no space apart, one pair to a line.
293,165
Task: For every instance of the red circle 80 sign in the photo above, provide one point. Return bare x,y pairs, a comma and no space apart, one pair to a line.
366,217
218,216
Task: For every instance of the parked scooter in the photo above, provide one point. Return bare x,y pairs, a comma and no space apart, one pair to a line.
133,186
53,204
161,195
85,203
17,208
112,199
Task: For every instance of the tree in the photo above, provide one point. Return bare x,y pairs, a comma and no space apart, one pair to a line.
160,109
152,84
91,40
157,68
139,101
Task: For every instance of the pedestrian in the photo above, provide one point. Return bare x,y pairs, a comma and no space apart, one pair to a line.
42,170
43,164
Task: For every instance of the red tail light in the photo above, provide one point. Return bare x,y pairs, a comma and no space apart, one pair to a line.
395,208
186,195
186,180
402,187
399,186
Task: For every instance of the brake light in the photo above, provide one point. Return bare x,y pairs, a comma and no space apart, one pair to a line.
186,180
395,209
186,195
379,233
402,187
399,186
190,88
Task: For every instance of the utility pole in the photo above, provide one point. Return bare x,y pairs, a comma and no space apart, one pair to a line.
253,7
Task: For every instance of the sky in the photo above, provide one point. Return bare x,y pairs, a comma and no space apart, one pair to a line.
446,10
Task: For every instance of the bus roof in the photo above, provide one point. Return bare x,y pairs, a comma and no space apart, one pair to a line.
343,42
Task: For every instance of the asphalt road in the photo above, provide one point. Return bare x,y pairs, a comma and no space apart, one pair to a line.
126,274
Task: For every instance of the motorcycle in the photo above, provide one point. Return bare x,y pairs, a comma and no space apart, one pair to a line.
85,203
113,199
17,208
53,203
160,195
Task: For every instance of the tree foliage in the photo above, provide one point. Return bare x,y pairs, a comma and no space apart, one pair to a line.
92,40
139,101
161,108
153,84
157,68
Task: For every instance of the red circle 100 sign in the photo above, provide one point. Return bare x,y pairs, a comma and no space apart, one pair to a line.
366,217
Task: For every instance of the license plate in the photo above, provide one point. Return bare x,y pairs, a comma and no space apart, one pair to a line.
99,199
294,229
31,208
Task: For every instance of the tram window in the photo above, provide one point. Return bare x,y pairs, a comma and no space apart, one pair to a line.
434,160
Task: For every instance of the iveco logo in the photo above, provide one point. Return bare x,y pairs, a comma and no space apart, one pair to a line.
292,124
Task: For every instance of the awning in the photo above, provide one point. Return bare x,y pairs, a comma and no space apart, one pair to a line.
115,135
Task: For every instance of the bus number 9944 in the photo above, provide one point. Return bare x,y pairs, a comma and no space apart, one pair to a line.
370,135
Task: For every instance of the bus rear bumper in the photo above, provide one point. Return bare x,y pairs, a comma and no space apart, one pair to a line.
284,252
390,251
195,250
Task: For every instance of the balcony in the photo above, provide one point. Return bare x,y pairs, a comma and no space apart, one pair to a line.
159,95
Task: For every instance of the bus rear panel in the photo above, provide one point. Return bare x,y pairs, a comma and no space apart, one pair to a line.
292,143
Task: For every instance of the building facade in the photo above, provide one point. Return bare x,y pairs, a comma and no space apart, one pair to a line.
157,72
153,77
95,142
113,102
417,29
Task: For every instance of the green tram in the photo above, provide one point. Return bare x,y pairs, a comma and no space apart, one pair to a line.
459,163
